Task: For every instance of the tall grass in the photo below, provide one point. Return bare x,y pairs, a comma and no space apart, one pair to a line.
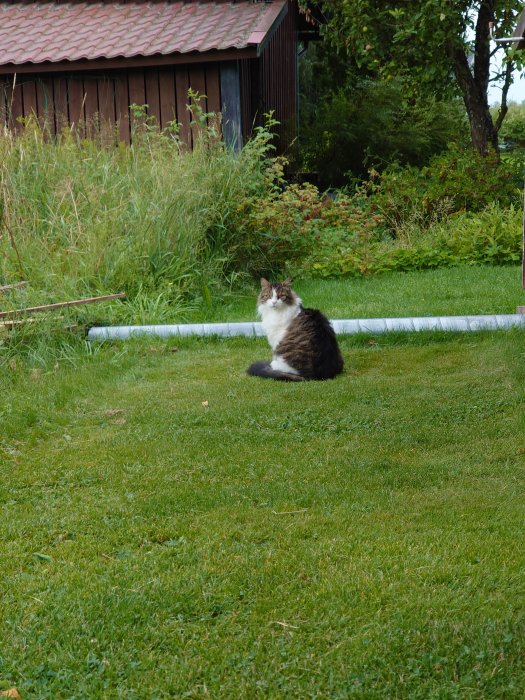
154,219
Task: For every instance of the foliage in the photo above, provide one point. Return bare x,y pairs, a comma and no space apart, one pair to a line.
490,237
416,39
456,180
291,223
349,128
179,230
512,135
430,44
79,217
460,208
512,132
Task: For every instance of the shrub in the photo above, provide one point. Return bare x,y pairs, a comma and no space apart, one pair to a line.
348,129
492,237
458,180
289,225
512,131
460,208
175,229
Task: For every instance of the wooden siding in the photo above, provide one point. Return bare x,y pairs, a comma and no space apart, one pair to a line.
269,83
97,100
278,79
250,102
231,105
91,102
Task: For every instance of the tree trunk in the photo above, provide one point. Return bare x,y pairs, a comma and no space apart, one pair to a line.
482,129
474,83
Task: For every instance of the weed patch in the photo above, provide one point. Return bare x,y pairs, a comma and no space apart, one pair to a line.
154,220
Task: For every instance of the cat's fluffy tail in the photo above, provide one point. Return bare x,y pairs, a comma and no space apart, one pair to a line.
264,369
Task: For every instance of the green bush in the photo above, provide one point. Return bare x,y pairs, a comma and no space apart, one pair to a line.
349,129
176,229
454,181
461,208
491,237
512,130
287,226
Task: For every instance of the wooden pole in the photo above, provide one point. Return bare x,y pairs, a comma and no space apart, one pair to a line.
9,287
60,305
4,221
523,245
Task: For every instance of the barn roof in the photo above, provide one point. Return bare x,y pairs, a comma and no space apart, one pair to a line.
54,31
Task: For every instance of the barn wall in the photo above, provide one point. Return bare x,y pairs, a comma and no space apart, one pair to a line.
91,101
269,83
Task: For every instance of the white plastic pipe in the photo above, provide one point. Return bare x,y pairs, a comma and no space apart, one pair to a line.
372,326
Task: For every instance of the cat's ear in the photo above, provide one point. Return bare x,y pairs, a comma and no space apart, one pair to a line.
265,283
287,282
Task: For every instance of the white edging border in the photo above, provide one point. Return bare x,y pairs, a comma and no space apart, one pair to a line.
372,326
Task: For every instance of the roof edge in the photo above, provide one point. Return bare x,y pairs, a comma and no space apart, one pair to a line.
268,25
133,62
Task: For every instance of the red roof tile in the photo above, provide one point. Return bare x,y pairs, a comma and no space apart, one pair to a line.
34,32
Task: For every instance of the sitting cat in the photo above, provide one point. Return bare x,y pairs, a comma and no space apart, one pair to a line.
303,341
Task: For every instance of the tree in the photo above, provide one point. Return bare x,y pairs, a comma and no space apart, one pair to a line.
438,46
352,125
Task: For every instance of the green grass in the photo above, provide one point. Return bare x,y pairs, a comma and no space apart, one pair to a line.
80,218
453,291
355,538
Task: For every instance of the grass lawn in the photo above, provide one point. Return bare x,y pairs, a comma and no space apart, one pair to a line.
171,528
454,291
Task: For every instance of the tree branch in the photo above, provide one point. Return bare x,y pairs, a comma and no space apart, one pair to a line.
482,45
504,108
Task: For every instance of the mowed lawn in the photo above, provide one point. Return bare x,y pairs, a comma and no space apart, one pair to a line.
171,528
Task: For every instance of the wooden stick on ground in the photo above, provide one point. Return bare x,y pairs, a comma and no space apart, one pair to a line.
10,235
289,512
14,322
9,287
61,305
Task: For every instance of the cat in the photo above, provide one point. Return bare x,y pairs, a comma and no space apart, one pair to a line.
302,340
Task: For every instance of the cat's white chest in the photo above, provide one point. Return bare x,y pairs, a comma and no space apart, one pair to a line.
276,321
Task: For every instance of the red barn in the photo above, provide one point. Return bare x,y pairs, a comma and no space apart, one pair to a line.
83,63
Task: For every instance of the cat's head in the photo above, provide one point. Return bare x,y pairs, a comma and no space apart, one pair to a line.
277,296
